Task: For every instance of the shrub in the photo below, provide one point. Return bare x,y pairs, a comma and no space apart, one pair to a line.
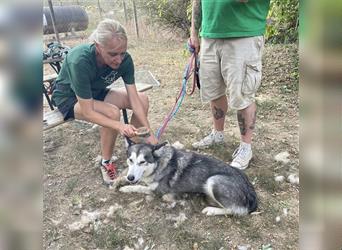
283,21
283,18
173,14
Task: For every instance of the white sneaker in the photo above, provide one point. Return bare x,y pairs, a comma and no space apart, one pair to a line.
241,156
215,137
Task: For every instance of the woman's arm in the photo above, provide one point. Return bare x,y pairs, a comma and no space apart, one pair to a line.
138,110
86,109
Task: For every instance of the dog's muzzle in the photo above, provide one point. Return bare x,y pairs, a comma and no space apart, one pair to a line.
130,178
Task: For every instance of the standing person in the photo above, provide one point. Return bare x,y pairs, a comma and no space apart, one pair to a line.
231,48
81,89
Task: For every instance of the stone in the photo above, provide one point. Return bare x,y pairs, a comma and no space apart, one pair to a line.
282,157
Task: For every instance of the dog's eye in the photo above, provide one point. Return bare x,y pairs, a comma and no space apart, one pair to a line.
142,162
130,160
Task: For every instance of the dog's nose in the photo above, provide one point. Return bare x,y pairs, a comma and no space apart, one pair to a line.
130,177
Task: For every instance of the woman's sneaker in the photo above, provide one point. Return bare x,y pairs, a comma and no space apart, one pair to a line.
241,156
108,171
215,137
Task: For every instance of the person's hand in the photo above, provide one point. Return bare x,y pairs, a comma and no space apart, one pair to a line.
128,130
195,42
152,140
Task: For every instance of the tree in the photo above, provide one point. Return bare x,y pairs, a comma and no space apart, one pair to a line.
173,14
283,21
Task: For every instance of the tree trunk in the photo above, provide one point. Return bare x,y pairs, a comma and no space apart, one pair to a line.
135,18
125,10
99,7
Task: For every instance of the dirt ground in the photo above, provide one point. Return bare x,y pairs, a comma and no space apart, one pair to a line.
74,193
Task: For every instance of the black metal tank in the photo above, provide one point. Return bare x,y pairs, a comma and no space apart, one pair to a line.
68,18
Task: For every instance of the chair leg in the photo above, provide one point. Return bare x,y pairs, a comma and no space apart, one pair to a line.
47,97
125,117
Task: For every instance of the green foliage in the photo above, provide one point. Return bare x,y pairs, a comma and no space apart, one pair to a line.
283,21
176,14
173,14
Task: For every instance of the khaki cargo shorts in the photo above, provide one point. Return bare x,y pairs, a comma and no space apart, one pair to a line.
231,66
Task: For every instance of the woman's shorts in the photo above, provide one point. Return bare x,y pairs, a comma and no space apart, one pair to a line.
67,107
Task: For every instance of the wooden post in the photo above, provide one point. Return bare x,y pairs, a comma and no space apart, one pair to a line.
99,7
53,20
125,10
135,18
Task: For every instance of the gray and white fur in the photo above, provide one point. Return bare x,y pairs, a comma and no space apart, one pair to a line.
168,171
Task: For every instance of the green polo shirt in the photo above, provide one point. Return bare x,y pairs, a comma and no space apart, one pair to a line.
81,76
233,18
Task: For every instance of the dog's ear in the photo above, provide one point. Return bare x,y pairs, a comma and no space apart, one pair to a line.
156,149
158,146
129,141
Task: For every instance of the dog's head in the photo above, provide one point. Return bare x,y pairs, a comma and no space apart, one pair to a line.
141,161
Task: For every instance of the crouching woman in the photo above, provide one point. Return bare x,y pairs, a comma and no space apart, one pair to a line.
81,89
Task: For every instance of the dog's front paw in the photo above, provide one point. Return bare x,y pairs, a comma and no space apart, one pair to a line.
126,189
135,189
169,198
119,182
211,211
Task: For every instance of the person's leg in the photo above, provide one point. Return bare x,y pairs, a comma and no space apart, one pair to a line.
108,138
213,90
107,135
243,74
246,119
219,109
120,99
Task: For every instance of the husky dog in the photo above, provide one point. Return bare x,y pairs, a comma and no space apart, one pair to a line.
168,171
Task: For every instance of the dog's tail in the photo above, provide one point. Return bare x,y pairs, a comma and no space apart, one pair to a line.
252,199
251,196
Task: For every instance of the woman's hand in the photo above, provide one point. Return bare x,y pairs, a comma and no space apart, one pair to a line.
128,130
152,140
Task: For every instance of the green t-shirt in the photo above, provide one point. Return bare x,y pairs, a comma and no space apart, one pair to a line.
81,76
233,18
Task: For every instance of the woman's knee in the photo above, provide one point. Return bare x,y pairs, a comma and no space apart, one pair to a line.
114,113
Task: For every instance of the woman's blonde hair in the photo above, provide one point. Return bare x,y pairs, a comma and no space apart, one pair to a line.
107,30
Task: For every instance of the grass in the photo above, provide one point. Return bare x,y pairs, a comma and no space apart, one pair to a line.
222,152
247,227
266,181
153,230
70,185
212,244
92,201
267,105
179,237
109,238
270,207
231,113
76,200
289,88
183,238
